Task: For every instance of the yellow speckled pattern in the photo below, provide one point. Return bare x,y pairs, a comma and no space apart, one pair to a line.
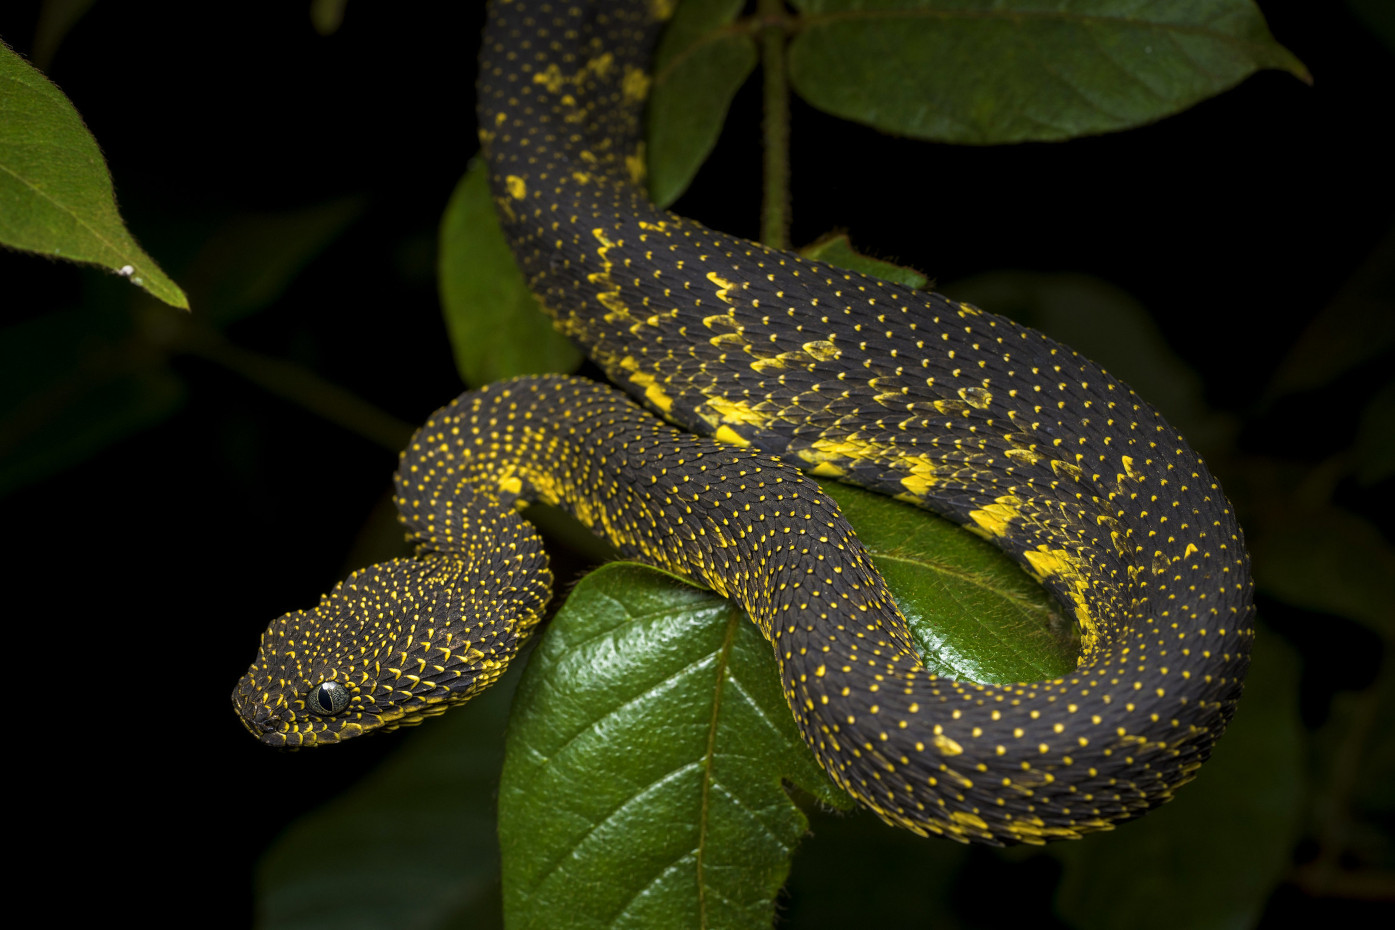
960,411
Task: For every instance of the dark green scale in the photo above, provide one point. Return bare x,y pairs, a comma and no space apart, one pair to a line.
959,411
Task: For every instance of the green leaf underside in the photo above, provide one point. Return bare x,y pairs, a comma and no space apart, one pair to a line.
996,71
698,68
56,196
496,326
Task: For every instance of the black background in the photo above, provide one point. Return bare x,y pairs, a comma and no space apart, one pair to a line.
141,576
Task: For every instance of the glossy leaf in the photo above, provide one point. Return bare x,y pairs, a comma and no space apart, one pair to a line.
497,327
698,68
647,746
1210,859
994,71
642,781
973,613
56,196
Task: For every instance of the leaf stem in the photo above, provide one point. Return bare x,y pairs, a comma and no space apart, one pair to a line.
775,210
301,386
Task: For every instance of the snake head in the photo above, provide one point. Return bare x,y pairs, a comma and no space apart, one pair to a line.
391,645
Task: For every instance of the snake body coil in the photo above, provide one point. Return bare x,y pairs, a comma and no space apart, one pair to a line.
935,402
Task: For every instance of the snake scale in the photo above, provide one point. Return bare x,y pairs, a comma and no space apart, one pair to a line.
754,353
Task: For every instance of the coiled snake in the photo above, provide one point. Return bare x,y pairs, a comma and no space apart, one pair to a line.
962,412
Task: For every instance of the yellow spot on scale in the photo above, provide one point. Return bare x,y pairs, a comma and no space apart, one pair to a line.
516,187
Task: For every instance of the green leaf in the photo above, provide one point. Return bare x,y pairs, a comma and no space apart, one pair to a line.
497,327
973,613
56,196
838,250
647,746
411,845
642,780
1211,859
698,67
994,71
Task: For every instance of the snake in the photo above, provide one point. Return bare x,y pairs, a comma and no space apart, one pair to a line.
767,371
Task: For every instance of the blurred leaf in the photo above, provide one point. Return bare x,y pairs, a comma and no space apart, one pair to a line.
55,193
698,68
1328,560
993,71
251,259
1379,16
327,15
1355,327
1375,437
56,20
70,384
412,845
838,250
497,327
1210,858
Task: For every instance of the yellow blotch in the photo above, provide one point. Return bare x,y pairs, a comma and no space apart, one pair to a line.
729,436
516,186
1057,563
550,77
946,746
993,520
966,819
921,479
723,410
600,65
1128,467
724,287
823,350
634,85
976,397
836,450
653,393
635,164
1066,469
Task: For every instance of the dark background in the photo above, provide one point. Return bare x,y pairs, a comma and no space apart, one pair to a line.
145,556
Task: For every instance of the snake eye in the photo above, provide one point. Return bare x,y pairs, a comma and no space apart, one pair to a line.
328,698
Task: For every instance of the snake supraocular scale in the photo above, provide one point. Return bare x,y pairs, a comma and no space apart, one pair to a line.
959,411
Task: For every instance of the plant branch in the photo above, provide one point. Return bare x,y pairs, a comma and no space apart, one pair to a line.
775,210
